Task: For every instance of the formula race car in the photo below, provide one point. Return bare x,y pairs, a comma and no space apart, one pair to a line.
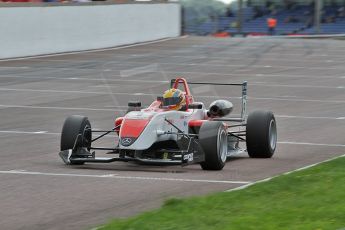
161,135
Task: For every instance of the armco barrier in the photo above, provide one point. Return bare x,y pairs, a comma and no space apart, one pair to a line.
37,30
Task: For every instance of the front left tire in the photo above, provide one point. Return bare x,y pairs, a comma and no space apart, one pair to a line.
213,141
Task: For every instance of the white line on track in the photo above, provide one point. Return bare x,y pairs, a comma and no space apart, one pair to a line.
267,84
201,64
56,91
254,75
114,176
286,173
14,67
248,75
25,132
228,65
296,100
101,79
263,84
311,144
154,95
110,136
59,108
309,117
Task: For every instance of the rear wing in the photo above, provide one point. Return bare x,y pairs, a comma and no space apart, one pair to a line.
244,98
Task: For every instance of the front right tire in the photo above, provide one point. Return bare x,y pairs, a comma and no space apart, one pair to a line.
261,134
76,133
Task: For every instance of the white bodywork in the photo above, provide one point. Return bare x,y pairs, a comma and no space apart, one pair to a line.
158,129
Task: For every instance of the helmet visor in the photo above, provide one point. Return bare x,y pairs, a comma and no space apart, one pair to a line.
171,101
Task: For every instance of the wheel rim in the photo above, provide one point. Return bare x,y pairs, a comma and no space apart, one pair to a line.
272,134
87,136
222,144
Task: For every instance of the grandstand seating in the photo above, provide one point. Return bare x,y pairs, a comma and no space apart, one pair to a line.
289,22
328,28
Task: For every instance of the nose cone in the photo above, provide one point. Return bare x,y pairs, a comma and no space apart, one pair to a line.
131,130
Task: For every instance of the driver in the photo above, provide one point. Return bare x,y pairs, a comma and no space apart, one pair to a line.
174,99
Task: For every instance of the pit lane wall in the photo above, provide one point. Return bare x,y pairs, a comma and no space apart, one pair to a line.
38,30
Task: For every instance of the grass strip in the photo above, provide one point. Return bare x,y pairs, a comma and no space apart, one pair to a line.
309,199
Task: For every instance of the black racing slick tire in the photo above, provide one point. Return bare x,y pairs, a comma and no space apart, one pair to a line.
76,133
213,142
261,134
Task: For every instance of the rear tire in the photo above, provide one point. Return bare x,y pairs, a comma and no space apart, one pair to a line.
213,141
261,134
73,127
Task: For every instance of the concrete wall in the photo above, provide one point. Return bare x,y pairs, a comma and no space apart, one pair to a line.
27,31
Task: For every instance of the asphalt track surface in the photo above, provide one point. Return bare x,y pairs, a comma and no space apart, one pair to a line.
301,81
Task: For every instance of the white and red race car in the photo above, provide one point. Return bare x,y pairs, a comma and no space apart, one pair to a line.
157,135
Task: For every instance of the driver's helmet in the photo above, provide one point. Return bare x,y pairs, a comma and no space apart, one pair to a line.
174,99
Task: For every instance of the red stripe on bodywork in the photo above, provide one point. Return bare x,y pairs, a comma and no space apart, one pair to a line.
195,123
132,128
